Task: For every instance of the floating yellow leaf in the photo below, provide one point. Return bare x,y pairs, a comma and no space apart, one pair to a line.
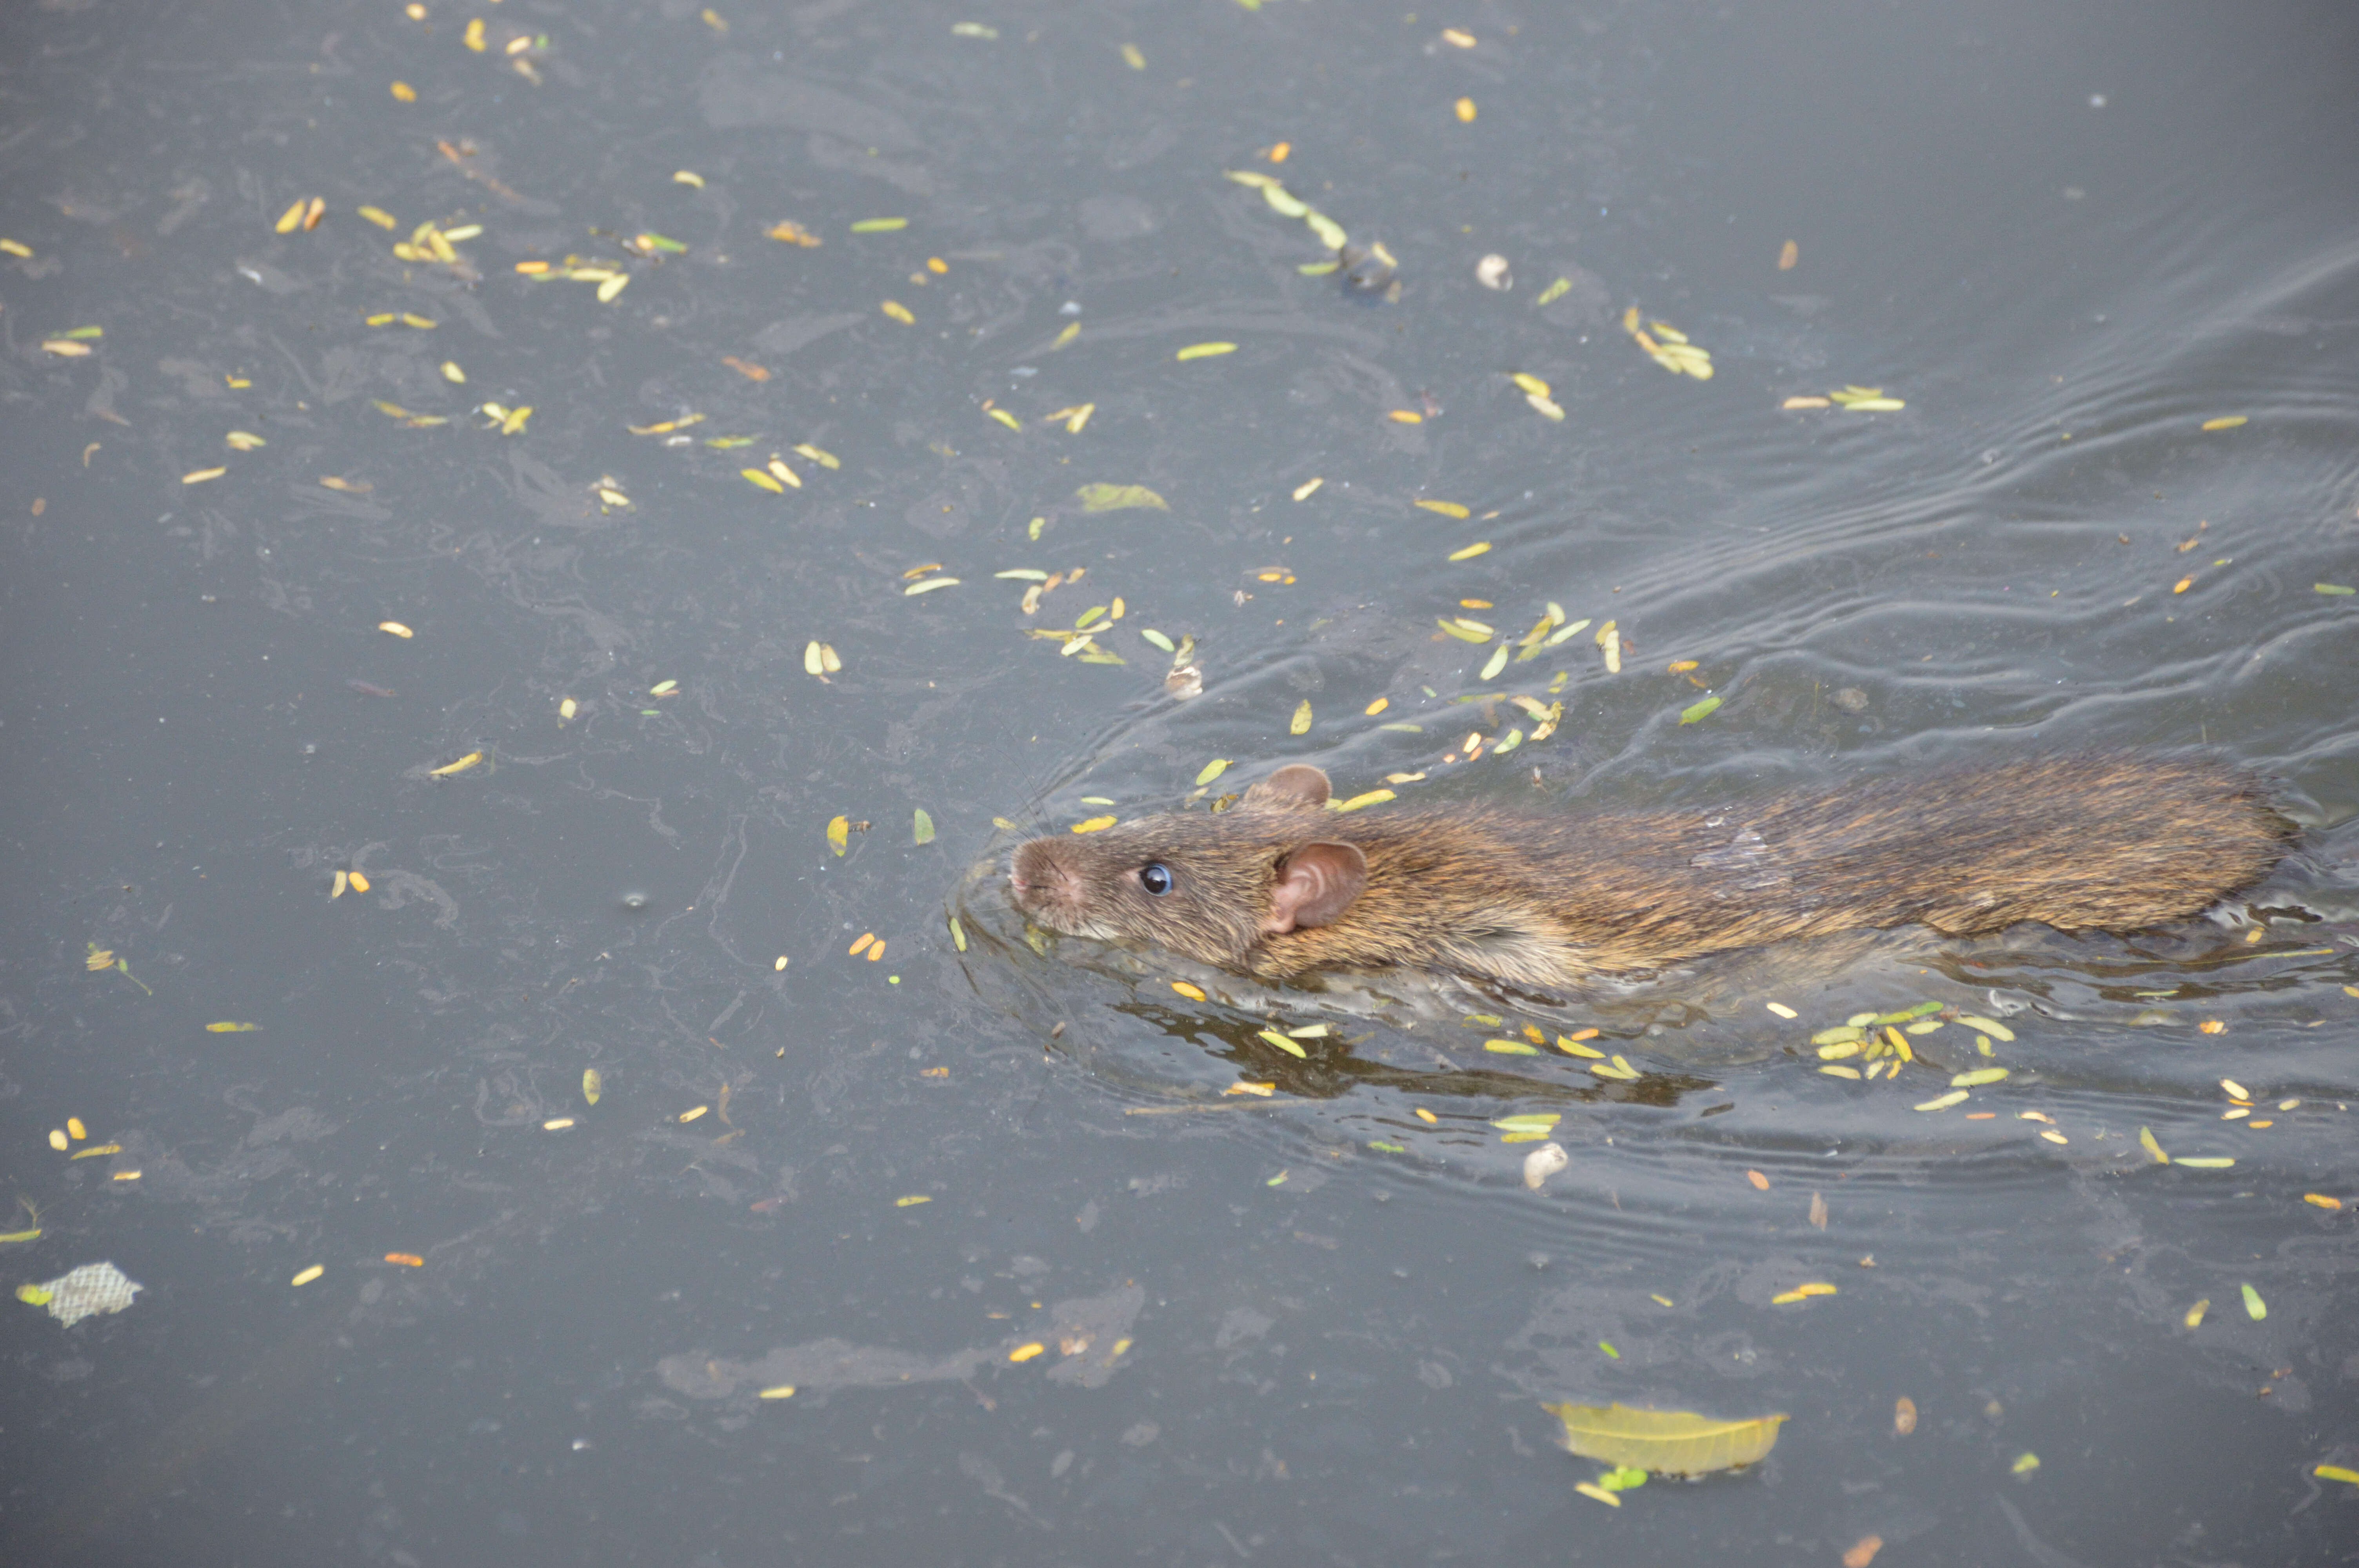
67,347
1132,57
473,34
839,833
360,883
1300,724
224,1027
306,1276
557,1124
911,1201
58,1138
2147,1141
687,177
395,629
1361,802
2321,1200
17,248
879,225
1205,350
1194,993
594,1084
1464,109
2226,422
75,1129
2025,1463
97,1149
244,440
762,478
1024,1353
2254,1308
2336,1472
201,475
1212,770
292,219
1996,1031
460,766
1094,824
1675,1443
1404,416
898,311
1979,1077
1115,497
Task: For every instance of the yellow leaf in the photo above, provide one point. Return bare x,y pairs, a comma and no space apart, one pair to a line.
839,833
1205,350
1115,497
911,1201
460,766
75,1129
1677,1442
594,1084
898,311
693,1112
227,1027
1404,416
1023,1353
1194,993
1447,508
292,219
1094,824
1300,724
244,440
1132,57
201,475
2147,1141
474,36
1212,770
405,93
762,478
2226,422
1466,110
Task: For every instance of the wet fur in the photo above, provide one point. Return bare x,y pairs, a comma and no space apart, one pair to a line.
2109,842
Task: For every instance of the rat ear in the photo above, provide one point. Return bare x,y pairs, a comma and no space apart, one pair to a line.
1295,786
1316,883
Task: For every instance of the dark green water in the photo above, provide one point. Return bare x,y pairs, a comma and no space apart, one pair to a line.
1309,1327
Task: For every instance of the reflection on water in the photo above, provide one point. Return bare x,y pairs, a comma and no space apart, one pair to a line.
646,477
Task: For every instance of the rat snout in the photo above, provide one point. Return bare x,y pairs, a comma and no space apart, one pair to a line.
1042,883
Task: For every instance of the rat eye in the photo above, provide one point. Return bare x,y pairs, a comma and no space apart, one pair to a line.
1156,878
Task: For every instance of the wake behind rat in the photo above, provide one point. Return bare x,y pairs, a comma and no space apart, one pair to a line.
1279,886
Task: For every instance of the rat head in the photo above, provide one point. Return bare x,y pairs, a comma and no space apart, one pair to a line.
1209,886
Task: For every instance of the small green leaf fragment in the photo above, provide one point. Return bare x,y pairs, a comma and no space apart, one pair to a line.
1703,709
924,827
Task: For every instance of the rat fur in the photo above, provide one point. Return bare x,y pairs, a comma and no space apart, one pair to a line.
1279,886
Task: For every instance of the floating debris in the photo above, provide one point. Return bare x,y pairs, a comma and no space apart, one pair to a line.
82,1292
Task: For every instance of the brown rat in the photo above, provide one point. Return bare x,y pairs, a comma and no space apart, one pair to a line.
1277,885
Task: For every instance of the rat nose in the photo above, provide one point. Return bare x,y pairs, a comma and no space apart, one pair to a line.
1035,870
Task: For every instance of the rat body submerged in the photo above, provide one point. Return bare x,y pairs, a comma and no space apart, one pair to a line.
1278,886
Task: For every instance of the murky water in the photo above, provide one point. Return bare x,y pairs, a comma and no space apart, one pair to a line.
1314,1325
